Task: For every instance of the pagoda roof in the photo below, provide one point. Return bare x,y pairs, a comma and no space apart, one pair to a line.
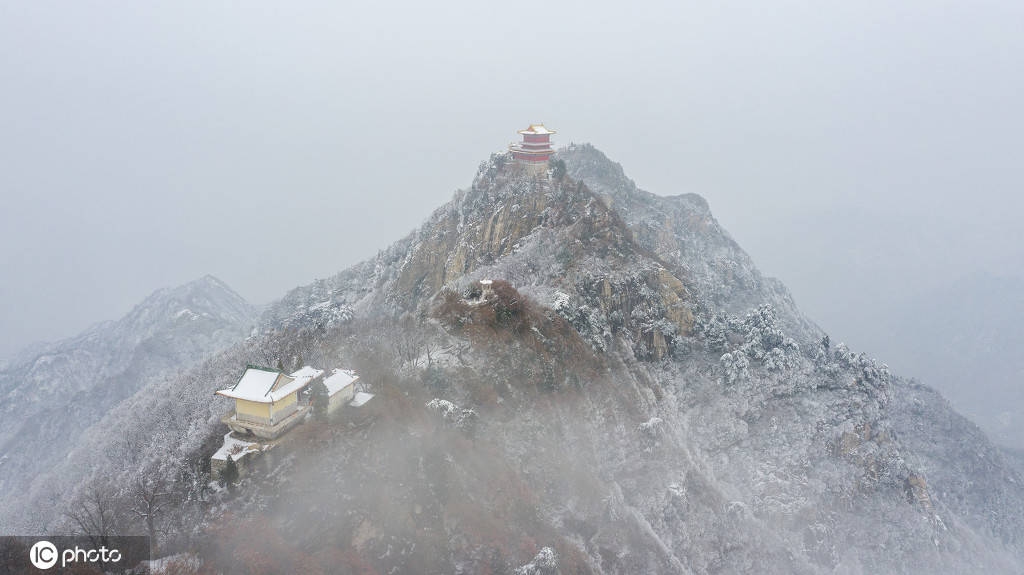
538,129
265,385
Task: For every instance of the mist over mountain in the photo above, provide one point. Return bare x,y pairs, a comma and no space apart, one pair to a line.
52,392
965,341
627,394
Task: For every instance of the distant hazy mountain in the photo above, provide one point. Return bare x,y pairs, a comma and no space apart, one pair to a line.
52,392
966,340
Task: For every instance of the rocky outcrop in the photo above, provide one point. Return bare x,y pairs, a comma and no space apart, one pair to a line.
683,233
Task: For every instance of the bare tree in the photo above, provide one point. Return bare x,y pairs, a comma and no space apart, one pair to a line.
189,495
430,347
459,349
147,499
407,340
192,485
95,514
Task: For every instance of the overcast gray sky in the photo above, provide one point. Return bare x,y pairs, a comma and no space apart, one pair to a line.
860,151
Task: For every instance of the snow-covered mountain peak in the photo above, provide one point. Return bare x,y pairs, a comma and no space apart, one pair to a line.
54,391
574,373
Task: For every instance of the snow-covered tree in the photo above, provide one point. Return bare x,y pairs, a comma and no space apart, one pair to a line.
734,366
651,432
96,514
545,563
148,496
465,420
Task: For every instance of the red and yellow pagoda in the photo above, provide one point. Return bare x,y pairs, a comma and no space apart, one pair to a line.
535,149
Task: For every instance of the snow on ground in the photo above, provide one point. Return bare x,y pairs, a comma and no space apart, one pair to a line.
236,448
179,563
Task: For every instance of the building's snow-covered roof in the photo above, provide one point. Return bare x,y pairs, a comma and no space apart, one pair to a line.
339,380
264,385
300,379
307,371
236,448
306,375
360,399
537,129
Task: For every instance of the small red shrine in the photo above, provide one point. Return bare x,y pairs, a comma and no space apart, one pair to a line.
535,149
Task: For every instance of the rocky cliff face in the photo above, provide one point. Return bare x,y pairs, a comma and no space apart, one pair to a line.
550,236
53,392
628,395
682,232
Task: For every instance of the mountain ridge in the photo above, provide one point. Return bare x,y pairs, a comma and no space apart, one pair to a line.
866,464
714,428
69,384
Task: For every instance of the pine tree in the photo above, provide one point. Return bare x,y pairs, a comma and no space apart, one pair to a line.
299,363
229,475
318,398
280,366
558,169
